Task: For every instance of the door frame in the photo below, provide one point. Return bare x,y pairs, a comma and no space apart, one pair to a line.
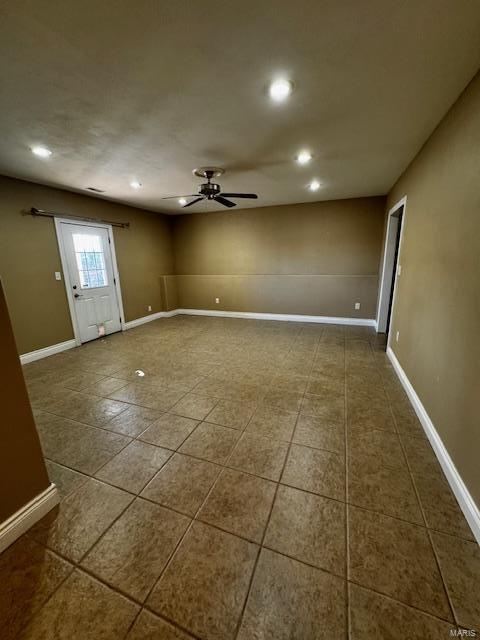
63,259
389,278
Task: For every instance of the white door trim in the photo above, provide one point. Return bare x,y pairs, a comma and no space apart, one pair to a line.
388,277
63,259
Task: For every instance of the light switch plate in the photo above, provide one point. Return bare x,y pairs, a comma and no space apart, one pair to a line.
357,305
58,275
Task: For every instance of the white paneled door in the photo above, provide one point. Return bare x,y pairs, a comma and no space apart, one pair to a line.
90,279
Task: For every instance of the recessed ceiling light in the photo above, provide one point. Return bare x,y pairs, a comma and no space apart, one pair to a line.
135,184
303,157
182,202
314,185
280,89
41,152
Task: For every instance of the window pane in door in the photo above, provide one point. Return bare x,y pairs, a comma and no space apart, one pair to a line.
90,260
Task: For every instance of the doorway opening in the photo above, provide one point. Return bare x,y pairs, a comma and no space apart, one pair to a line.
91,278
391,266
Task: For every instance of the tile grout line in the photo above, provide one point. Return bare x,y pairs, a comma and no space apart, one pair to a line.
29,620
444,584
429,534
401,602
347,520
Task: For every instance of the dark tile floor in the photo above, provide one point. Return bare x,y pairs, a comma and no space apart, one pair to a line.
262,480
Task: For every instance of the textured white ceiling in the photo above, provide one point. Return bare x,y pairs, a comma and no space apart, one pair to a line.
148,90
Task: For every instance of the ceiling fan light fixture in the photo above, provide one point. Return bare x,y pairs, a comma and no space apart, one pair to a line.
135,184
303,157
314,185
182,202
280,89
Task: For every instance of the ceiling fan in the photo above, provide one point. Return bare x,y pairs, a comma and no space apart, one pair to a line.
210,190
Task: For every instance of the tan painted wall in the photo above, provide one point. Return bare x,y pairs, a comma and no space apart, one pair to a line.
437,309
317,258
22,470
29,257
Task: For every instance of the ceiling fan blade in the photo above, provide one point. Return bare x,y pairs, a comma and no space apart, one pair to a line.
225,202
189,204
240,195
190,195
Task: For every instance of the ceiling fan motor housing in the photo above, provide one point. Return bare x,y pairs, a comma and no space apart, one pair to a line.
210,190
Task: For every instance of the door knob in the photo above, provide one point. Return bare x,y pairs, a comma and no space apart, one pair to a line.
77,295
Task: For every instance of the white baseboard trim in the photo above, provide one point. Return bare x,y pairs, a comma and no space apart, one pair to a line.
464,499
153,316
25,358
27,516
282,317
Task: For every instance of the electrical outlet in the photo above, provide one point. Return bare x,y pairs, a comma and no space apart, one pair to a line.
357,305
397,336
58,275
149,308
217,300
